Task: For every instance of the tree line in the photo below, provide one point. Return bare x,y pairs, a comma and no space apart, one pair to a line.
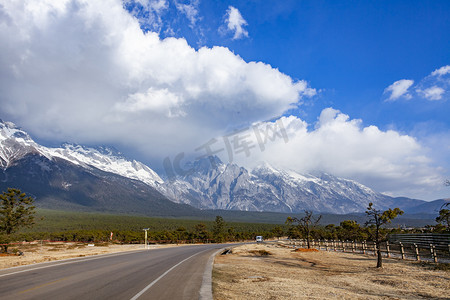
17,211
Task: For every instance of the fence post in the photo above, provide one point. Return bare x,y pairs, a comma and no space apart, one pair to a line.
417,252
364,247
353,246
431,251
334,245
402,251
434,254
326,245
374,248
343,246
388,254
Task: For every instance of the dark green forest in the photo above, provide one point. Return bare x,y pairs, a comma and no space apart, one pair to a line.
96,227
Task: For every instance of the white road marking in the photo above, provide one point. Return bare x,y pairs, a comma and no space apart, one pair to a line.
206,288
67,262
164,274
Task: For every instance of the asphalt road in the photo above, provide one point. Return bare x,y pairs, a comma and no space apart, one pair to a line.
170,273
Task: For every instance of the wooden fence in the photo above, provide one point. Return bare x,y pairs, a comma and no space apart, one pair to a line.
414,251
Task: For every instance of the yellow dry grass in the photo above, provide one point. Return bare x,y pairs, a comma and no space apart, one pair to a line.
286,274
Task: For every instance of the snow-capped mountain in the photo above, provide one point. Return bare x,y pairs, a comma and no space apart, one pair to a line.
78,178
211,184
16,143
265,188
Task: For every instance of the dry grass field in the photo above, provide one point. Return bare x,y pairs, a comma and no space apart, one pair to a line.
273,272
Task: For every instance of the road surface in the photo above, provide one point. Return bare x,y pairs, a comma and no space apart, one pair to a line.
169,273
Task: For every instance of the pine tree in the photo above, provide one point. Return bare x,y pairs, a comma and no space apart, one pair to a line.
378,219
16,211
219,229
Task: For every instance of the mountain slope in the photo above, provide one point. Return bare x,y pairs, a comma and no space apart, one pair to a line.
15,143
209,186
432,207
265,188
68,178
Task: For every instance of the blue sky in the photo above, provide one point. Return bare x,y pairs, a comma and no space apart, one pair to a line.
350,50
363,86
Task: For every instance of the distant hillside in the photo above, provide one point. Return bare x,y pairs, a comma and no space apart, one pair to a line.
431,207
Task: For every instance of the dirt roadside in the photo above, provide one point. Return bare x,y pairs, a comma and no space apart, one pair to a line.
36,252
250,273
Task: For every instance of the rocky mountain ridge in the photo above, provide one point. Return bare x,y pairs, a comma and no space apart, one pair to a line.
209,186
266,188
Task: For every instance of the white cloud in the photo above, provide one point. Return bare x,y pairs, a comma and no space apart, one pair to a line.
190,11
235,23
435,86
399,89
157,5
432,93
387,161
149,12
157,101
441,71
84,71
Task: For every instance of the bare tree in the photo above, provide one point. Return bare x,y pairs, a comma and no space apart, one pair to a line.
305,224
379,218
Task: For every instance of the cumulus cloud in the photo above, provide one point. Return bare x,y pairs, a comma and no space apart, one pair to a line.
235,23
158,101
399,89
387,161
84,71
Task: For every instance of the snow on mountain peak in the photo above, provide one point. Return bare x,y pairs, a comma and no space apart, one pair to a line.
265,167
108,160
16,143
212,184
9,130
269,188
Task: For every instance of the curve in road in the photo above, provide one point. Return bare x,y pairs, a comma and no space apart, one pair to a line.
169,273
